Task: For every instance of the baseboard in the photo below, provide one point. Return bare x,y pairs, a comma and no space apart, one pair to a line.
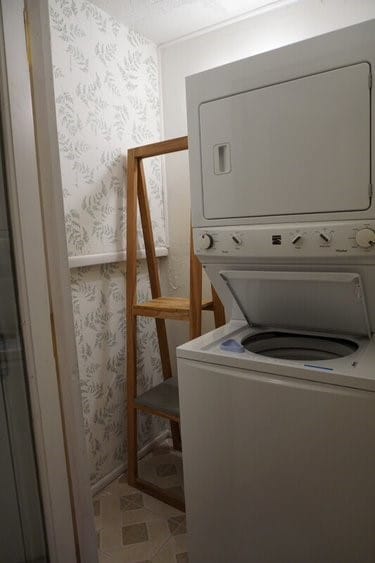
115,473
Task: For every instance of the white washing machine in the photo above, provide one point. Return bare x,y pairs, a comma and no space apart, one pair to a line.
278,406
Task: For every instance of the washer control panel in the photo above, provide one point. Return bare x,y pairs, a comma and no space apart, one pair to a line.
288,241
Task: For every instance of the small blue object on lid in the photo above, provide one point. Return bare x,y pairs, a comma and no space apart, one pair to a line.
232,345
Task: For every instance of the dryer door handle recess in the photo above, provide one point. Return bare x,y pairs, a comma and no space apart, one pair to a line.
222,159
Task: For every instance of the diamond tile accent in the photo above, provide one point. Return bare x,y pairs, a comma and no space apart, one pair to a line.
177,525
182,558
136,533
166,470
131,502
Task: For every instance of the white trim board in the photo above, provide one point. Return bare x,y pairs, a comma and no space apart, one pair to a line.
107,479
60,322
110,257
273,5
33,288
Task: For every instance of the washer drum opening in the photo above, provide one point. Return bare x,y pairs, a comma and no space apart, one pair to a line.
300,347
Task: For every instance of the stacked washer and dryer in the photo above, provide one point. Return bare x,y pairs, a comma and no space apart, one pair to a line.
278,406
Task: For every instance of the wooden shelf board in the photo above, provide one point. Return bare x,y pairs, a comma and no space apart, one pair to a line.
177,308
161,400
207,305
158,412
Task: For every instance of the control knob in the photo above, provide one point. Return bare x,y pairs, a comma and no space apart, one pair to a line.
237,240
297,239
365,238
205,241
325,237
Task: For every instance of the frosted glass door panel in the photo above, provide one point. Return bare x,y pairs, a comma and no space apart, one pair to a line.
22,535
11,540
302,146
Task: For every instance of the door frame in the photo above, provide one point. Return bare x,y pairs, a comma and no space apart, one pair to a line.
37,219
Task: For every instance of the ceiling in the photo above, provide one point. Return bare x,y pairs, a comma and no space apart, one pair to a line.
163,21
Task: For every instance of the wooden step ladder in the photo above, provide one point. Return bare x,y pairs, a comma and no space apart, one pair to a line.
161,400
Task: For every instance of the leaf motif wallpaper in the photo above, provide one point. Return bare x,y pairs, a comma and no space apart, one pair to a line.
107,100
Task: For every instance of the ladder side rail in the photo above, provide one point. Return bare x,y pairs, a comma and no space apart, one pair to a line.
153,272
195,317
131,320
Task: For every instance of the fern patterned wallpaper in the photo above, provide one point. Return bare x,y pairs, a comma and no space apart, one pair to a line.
107,100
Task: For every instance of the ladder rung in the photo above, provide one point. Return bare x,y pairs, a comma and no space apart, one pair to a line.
207,306
162,399
176,308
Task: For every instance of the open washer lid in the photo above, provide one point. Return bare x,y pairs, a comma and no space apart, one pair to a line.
310,301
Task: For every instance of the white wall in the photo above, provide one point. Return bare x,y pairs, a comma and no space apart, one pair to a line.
266,31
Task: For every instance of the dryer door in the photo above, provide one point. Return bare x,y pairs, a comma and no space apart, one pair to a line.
310,301
295,148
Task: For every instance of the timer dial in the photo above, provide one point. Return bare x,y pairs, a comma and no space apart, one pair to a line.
365,238
205,241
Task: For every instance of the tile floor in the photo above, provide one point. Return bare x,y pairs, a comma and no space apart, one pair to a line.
133,527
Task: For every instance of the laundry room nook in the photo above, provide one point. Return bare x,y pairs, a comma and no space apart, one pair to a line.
187,276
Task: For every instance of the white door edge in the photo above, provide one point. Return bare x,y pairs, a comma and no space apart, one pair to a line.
52,383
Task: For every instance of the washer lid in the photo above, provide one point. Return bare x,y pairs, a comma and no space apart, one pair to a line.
311,301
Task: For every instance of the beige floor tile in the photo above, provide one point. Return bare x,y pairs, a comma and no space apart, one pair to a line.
111,511
133,527
131,501
140,515
111,536
165,555
134,533
132,554
157,533
110,522
123,556
174,550
135,507
171,553
179,543
177,524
